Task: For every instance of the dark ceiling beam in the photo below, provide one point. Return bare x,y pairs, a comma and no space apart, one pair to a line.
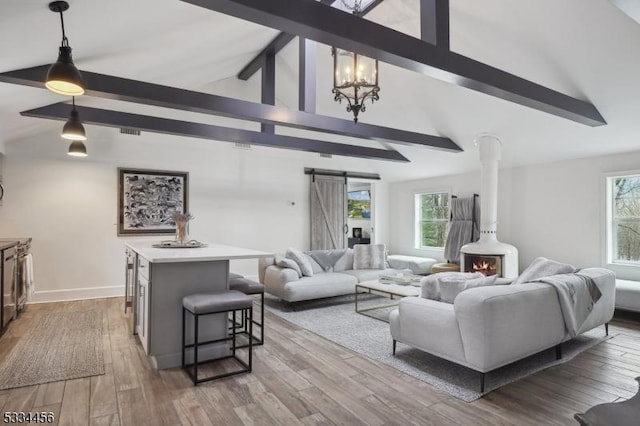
109,118
122,89
281,40
315,21
434,22
268,89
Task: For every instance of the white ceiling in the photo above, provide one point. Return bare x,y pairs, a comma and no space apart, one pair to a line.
583,48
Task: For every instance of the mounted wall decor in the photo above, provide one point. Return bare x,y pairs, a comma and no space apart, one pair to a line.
147,199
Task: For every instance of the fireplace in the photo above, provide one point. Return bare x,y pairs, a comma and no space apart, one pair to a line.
491,256
487,265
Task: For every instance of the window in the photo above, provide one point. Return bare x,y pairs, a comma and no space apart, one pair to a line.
623,214
432,219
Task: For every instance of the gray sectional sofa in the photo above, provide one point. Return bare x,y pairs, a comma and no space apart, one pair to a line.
286,284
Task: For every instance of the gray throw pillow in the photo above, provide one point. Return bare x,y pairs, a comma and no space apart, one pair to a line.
543,267
345,263
283,262
301,260
449,293
445,286
369,256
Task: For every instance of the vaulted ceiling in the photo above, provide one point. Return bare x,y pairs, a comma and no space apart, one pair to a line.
583,48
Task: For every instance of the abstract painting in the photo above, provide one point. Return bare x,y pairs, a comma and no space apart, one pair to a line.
147,199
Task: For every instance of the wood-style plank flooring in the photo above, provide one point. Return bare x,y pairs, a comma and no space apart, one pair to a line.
300,378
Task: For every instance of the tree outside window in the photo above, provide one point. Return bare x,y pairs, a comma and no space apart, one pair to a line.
432,216
625,219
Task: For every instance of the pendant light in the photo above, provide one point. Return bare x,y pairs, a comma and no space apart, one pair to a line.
63,77
355,76
77,149
73,128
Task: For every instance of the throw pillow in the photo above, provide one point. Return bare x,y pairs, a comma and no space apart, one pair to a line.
369,256
326,258
283,262
450,283
345,263
301,260
543,267
449,293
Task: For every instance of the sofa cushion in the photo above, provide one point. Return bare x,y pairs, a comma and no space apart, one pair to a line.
369,256
445,286
284,262
315,266
628,295
542,267
302,261
345,263
418,265
326,284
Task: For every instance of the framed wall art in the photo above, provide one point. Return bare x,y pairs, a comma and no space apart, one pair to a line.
148,198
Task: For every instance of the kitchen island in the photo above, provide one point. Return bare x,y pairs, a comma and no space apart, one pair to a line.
161,278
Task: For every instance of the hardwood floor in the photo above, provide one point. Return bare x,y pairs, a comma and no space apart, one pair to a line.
300,378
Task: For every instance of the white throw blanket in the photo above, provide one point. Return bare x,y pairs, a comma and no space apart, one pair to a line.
577,295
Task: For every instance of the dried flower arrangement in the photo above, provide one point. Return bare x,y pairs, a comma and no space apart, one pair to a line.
181,217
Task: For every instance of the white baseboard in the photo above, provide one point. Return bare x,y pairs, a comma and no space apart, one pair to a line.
76,294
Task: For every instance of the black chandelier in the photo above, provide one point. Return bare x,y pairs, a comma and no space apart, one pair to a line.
355,77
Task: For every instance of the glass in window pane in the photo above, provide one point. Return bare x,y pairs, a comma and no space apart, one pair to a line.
628,241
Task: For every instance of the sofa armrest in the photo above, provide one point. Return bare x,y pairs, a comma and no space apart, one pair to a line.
603,309
275,279
428,325
504,323
263,263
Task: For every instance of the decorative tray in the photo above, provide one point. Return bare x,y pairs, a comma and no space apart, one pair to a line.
178,244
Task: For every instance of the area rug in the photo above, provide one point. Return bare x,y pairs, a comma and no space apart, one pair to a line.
336,320
61,346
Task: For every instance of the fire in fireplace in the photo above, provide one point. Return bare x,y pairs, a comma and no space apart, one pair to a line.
487,265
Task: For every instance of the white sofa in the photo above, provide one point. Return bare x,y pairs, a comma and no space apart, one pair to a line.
285,284
489,327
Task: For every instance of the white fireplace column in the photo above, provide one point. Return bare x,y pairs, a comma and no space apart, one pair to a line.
489,147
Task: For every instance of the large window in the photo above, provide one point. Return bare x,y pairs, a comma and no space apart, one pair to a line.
623,193
432,219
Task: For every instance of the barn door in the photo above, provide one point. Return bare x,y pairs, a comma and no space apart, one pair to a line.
328,212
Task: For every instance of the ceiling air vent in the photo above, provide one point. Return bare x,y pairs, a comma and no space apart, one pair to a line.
128,131
326,155
241,145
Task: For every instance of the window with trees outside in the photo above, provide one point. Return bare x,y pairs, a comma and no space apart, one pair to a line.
432,219
623,219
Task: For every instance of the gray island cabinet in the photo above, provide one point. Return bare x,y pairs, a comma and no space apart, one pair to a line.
161,277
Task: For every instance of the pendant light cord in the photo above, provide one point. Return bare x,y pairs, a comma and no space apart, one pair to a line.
65,41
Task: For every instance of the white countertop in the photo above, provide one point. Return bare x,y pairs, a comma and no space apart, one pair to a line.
211,252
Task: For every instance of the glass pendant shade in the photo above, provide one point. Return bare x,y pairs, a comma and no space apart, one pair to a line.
355,79
77,149
73,128
63,77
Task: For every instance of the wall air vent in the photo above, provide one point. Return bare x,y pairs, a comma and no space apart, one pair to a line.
128,131
326,155
241,145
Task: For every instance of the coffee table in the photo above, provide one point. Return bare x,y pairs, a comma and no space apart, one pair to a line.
387,290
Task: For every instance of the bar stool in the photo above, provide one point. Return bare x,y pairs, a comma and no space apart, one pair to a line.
215,303
250,288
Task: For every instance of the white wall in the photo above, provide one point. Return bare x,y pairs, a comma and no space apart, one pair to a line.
554,210
68,205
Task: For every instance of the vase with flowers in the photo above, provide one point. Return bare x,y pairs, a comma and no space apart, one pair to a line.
182,226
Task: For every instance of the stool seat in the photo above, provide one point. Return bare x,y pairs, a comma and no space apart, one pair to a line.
245,286
445,267
233,275
208,303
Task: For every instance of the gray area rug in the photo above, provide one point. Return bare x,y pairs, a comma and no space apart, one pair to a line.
61,346
336,320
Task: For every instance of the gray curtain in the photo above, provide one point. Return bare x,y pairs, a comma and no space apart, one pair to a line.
463,229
